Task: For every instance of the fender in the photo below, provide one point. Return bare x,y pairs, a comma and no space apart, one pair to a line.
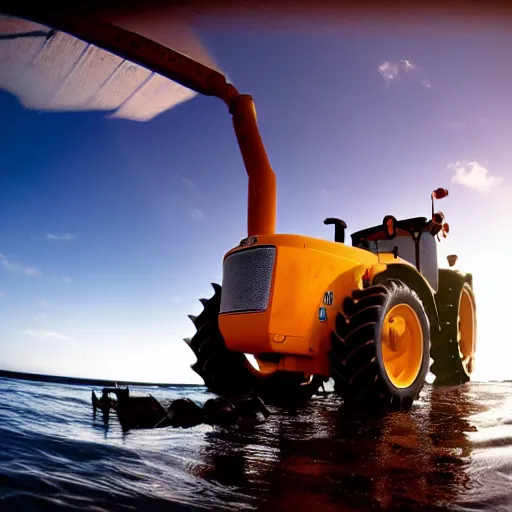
412,278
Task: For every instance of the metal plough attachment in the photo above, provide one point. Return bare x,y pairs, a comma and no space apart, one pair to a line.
142,412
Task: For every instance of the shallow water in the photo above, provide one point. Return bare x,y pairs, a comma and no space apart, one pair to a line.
452,451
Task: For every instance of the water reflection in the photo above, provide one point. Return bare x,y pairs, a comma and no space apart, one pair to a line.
453,450
450,423
322,456
422,456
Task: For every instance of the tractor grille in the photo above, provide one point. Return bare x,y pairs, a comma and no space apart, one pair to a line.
246,280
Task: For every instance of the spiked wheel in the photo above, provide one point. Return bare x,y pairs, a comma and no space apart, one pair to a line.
223,371
453,349
380,347
230,373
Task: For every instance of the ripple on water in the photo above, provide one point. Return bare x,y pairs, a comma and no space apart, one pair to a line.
452,451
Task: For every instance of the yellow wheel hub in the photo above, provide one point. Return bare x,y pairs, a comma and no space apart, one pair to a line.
402,345
466,331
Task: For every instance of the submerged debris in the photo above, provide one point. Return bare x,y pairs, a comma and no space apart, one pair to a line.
135,412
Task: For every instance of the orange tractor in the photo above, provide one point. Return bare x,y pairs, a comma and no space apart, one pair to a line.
370,314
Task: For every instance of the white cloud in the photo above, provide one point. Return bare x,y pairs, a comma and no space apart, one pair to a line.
188,182
390,71
14,266
197,214
66,237
51,335
67,279
474,176
394,71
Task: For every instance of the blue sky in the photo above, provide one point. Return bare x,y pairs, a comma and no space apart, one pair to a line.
110,230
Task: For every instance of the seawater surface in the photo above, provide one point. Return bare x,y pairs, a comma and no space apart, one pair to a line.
453,451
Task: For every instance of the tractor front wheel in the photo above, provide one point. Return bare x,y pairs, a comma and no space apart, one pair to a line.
380,347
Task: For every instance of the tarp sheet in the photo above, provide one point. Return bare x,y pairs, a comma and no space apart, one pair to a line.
49,70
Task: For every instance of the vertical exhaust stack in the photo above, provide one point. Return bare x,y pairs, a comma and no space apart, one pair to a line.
262,200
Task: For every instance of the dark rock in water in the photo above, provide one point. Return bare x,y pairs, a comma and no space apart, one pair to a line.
244,410
220,411
251,410
139,412
184,413
248,405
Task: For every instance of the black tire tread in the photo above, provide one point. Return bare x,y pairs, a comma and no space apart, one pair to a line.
447,366
353,355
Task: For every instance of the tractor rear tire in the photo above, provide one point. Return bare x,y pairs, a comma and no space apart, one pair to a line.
224,372
380,346
453,348
229,373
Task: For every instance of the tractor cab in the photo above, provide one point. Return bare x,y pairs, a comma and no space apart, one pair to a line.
409,239
413,240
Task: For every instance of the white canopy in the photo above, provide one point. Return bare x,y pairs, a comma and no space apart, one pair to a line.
49,70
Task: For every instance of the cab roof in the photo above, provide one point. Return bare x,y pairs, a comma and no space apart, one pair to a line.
412,225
